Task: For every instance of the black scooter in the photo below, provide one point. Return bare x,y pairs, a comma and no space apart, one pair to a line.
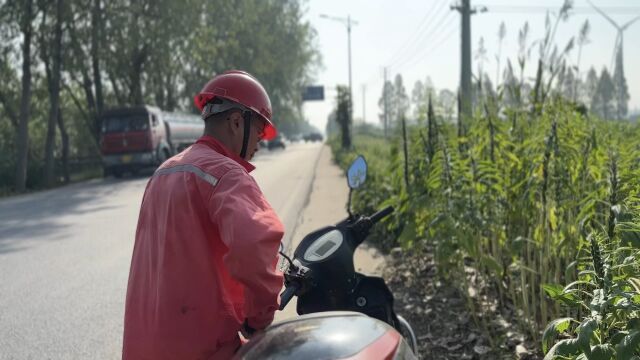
332,298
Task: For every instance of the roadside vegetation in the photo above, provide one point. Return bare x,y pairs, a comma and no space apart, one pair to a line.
527,211
544,207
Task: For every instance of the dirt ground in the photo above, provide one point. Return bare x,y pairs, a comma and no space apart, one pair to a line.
440,315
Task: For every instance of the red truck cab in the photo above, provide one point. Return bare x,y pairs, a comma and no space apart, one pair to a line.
134,138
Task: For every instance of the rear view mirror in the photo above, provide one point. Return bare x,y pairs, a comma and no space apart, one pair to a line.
357,173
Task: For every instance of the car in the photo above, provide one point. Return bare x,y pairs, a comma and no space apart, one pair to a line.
277,142
295,138
315,136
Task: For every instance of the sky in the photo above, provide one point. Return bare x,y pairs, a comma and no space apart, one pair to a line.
421,38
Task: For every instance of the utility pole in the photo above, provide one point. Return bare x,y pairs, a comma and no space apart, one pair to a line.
464,7
348,23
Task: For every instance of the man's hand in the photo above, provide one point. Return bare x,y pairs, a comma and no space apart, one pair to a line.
246,330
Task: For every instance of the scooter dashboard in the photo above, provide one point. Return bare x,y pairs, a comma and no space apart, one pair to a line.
324,246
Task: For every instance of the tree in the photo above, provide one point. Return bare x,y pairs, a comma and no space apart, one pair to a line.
590,86
569,85
400,98
98,54
417,97
26,17
447,100
621,89
386,103
343,109
583,39
602,103
52,47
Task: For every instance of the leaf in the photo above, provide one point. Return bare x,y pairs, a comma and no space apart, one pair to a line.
553,329
577,282
618,337
553,290
558,293
635,283
602,352
628,346
564,347
586,330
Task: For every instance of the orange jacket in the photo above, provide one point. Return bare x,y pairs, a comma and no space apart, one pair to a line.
204,259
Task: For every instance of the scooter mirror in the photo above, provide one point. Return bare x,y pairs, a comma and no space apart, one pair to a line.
357,173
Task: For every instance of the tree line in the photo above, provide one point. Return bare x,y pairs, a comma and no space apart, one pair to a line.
63,62
603,93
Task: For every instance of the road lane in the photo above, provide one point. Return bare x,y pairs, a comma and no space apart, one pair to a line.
65,254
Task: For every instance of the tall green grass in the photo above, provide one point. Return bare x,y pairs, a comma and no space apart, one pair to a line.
520,197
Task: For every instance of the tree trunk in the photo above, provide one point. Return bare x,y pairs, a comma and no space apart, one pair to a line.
116,89
25,100
65,147
96,34
170,84
135,76
54,99
138,58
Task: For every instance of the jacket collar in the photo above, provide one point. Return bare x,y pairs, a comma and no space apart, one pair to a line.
222,150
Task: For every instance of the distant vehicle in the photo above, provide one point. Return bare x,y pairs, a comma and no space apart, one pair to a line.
313,137
277,142
295,138
133,138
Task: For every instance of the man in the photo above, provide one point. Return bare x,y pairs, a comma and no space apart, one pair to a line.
205,255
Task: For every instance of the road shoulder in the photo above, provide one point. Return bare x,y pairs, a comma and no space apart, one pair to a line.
327,206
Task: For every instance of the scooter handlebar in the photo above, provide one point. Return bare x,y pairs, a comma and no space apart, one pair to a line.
381,214
287,294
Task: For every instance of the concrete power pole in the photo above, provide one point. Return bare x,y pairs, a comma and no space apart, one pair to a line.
466,11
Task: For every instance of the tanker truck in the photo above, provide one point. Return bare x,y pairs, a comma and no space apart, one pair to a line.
134,138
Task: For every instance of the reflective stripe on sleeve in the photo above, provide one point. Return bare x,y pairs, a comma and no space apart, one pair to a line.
188,168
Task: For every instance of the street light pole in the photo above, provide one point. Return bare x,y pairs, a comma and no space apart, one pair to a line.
348,23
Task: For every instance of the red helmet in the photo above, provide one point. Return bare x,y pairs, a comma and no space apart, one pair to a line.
242,88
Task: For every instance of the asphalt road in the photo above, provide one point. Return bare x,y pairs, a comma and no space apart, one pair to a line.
65,254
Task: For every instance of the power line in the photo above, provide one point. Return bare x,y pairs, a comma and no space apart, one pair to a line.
524,9
428,15
452,31
424,38
437,28
425,27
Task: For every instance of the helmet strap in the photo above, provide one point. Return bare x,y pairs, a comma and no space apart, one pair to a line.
247,127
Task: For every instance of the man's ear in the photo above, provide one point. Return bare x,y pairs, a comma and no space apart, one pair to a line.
235,121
